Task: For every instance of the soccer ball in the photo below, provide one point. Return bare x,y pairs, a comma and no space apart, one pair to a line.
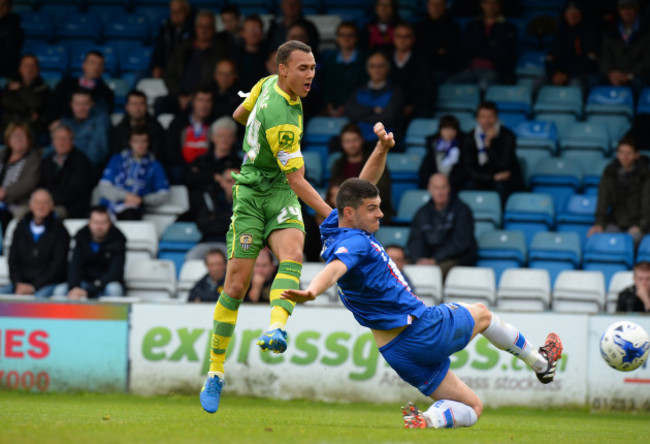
625,346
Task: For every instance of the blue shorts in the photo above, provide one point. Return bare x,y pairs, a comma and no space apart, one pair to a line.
420,354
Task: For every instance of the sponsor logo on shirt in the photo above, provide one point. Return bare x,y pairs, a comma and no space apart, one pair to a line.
285,139
341,250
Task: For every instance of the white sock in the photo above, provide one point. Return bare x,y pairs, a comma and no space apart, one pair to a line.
446,414
219,374
506,337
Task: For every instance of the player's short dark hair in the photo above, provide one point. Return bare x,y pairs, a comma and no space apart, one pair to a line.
642,266
491,106
449,121
628,141
352,193
351,128
215,251
285,50
136,93
139,131
95,53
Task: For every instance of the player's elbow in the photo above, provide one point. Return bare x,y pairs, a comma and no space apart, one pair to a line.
478,408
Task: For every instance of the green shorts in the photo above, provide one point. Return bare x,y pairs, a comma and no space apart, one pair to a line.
256,214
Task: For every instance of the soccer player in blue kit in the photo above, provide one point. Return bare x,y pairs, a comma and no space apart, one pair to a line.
414,339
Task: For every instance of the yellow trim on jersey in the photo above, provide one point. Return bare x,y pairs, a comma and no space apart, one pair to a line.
285,95
284,141
249,103
232,224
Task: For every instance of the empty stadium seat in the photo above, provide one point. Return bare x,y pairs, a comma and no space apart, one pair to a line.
515,98
309,271
500,250
153,88
511,119
410,202
398,188
313,167
393,235
120,88
74,225
562,122
578,215
151,280
485,206
577,291
643,253
537,134
530,213
470,285
555,252
585,136
403,167
162,215
190,273
79,26
165,120
617,126
427,280
141,237
176,240
321,129
132,27
37,25
134,64
531,64
528,158
559,99
643,107
524,289
456,97
619,282
610,100
609,253
51,58
418,130
559,177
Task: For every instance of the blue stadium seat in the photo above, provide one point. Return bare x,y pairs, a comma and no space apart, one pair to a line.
79,26
410,202
617,126
134,64
418,130
485,206
609,253
562,122
321,129
393,235
466,119
559,99
610,100
592,163
453,97
51,58
38,25
176,240
559,177
120,88
511,120
398,188
531,64
643,253
585,136
528,158
643,107
403,167
128,27
578,215
59,10
555,252
313,167
530,213
501,249
537,134
511,98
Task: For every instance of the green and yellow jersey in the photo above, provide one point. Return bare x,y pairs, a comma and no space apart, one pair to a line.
272,138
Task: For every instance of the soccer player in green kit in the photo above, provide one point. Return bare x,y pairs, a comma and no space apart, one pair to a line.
266,210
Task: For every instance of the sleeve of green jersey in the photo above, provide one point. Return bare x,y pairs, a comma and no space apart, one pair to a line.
284,141
249,103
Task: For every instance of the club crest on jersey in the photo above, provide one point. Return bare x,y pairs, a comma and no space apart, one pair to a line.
246,240
341,250
285,139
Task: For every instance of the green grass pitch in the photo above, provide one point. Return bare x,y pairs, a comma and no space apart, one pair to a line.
120,418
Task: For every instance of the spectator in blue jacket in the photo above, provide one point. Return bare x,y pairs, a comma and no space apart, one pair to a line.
97,264
133,179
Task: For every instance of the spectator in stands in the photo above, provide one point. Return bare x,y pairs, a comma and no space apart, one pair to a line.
231,34
412,73
378,34
191,65
625,58
91,80
313,244
188,136
355,154
270,64
437,37
137,115
488,155
176,29
442,232
68,175
443,154
133,179
263,273
488,48
39,250
344,70
96,267
398,255
573,59
637,297
378,101
19,171
209,287
224,89
214,204
624,193
250,54
26,96
91,126
291,13
206,170
12,38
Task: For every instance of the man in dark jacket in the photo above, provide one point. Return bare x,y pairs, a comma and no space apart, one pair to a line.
209,287
624,194
12,38
97,264
174,31
68,175
637,297
39,250
437,37
137,116
442,232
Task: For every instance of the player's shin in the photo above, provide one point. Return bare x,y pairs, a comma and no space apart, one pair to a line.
288,277
446,414
506,337
225,318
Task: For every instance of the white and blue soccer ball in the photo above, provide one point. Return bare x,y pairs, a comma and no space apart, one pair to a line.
625,346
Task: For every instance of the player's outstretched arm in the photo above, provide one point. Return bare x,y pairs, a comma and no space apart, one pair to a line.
321,282
241,114
307,193
374,167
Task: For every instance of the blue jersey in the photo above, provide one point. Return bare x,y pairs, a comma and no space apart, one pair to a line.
373,289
